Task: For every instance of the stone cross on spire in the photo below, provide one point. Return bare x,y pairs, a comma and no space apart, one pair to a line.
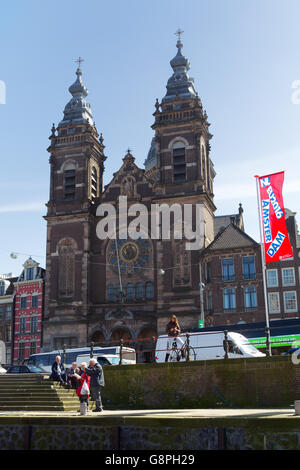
178,33
79,61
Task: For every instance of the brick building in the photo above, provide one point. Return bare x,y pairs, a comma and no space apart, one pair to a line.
29,302
283,277
7,313
232,275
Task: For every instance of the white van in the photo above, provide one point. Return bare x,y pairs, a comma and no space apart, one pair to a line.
206,346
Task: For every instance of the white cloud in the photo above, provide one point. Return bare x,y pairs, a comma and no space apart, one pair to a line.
25,207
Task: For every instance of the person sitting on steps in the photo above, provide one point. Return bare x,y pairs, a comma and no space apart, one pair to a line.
173,330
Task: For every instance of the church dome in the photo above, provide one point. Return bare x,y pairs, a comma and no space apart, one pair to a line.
180,84
151,159
77,110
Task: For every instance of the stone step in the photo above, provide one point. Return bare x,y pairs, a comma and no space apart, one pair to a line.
36,402
27,384
39,407
36,393
22,379
25,389
41,398
43,407
22,392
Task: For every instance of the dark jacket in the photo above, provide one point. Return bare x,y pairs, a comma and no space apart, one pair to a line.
55,373
96,374
170,329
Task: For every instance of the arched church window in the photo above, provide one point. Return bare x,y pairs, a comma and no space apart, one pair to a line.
94,183
130,292
179,163
203,166
66,269
110,293
139,291
69,182
128,186
182,261
149,291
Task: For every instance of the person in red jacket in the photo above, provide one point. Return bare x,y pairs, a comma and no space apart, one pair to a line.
83,388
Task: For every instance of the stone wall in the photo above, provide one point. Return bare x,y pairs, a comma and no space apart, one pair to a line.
236,383
106,434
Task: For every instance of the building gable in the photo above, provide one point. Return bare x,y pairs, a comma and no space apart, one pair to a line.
231,238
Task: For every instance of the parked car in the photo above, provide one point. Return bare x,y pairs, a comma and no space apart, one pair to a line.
2,370
24,369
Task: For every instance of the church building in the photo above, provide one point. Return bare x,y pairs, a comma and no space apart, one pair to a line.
103,290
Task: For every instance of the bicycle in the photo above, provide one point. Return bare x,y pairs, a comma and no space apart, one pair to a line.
176,354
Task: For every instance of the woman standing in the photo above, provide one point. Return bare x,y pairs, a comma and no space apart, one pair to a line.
173,330
83,389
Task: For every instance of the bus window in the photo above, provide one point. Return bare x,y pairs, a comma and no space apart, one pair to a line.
129,355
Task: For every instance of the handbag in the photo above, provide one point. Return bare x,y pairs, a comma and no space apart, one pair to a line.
84,389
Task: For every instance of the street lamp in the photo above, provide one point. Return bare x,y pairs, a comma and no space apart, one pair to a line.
201,286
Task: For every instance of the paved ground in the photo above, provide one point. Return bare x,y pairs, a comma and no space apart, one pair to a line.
169,414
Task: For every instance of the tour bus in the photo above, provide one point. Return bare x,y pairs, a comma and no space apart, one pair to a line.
206,346
107,359
45,360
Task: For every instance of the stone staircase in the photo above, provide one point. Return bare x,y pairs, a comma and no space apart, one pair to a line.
35,392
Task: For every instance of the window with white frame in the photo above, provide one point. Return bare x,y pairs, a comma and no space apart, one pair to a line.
288,276
34,324
272,278
35,300
29,273
22,325
290,301
274,302
23,303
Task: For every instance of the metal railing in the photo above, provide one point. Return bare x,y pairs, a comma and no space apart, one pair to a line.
151,351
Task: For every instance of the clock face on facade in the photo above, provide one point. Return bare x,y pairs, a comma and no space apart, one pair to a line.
134,255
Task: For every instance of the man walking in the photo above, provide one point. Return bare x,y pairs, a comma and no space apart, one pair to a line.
95,371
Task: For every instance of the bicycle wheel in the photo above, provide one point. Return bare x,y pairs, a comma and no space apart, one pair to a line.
174,355
192,353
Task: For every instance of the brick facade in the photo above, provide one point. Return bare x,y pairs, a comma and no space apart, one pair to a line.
29,303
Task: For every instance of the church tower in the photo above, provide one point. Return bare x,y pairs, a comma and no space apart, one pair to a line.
76,174
182,172
179,157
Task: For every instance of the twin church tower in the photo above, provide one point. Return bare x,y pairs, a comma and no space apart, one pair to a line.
104,290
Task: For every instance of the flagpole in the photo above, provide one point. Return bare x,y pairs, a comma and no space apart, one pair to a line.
263,262
119,269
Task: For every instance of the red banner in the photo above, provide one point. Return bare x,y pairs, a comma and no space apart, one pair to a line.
276,240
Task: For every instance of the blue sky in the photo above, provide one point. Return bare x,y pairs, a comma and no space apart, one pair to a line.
244,57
